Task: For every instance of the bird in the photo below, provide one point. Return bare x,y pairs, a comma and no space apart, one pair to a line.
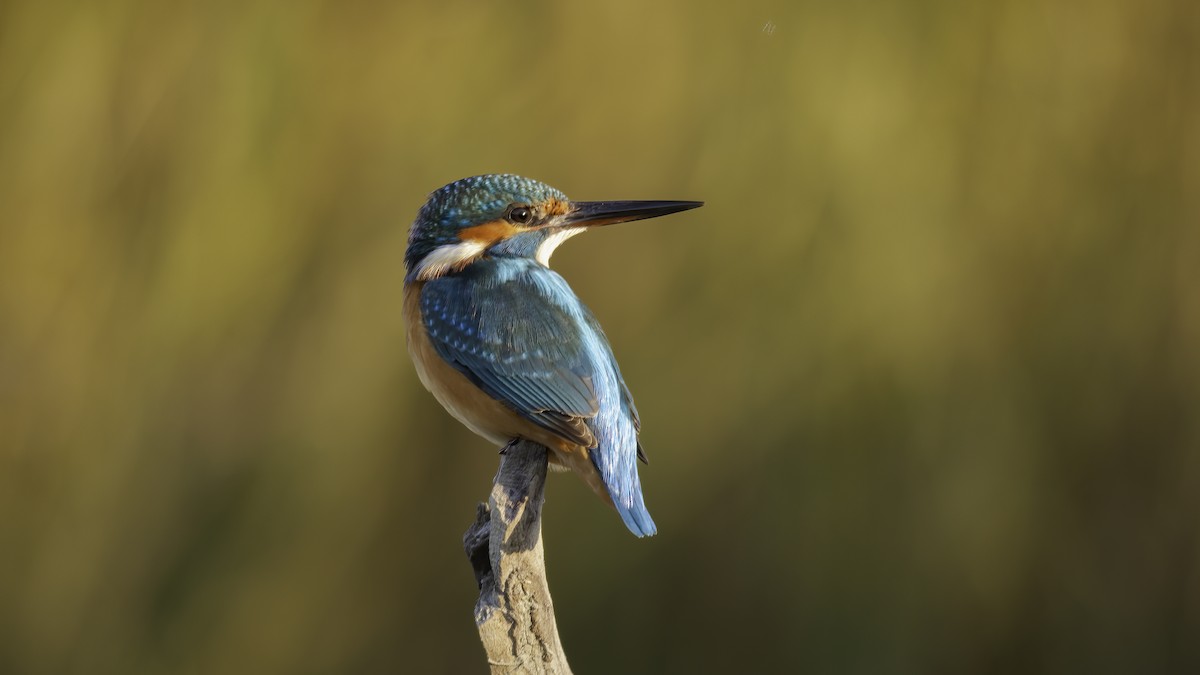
505,345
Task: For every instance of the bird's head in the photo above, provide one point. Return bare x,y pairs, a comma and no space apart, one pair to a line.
507,216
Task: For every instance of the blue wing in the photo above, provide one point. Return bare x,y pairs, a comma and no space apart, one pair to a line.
626,396
515,330
519,342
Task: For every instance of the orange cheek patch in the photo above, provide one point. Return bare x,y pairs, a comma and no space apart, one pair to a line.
488,232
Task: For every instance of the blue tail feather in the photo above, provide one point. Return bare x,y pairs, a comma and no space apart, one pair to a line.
635,515
621,479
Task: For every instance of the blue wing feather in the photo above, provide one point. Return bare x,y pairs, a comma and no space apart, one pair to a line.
626,395
515,329
520,346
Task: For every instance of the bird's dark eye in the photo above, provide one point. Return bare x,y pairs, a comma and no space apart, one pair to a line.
519,214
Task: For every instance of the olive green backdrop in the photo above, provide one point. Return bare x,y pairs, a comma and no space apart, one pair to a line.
920,384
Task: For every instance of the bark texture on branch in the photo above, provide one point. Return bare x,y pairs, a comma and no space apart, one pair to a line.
514,614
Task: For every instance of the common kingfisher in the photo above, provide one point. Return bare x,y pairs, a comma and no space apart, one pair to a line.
505,345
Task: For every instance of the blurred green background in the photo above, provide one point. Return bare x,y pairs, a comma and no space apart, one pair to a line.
920,384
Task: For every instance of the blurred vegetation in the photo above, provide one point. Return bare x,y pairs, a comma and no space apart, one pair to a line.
920,384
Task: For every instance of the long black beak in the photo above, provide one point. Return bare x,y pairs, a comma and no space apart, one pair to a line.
592,214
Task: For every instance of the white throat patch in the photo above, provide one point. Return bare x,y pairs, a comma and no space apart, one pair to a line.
447,257
546,249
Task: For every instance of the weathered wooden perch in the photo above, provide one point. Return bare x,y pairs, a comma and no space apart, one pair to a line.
514,613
